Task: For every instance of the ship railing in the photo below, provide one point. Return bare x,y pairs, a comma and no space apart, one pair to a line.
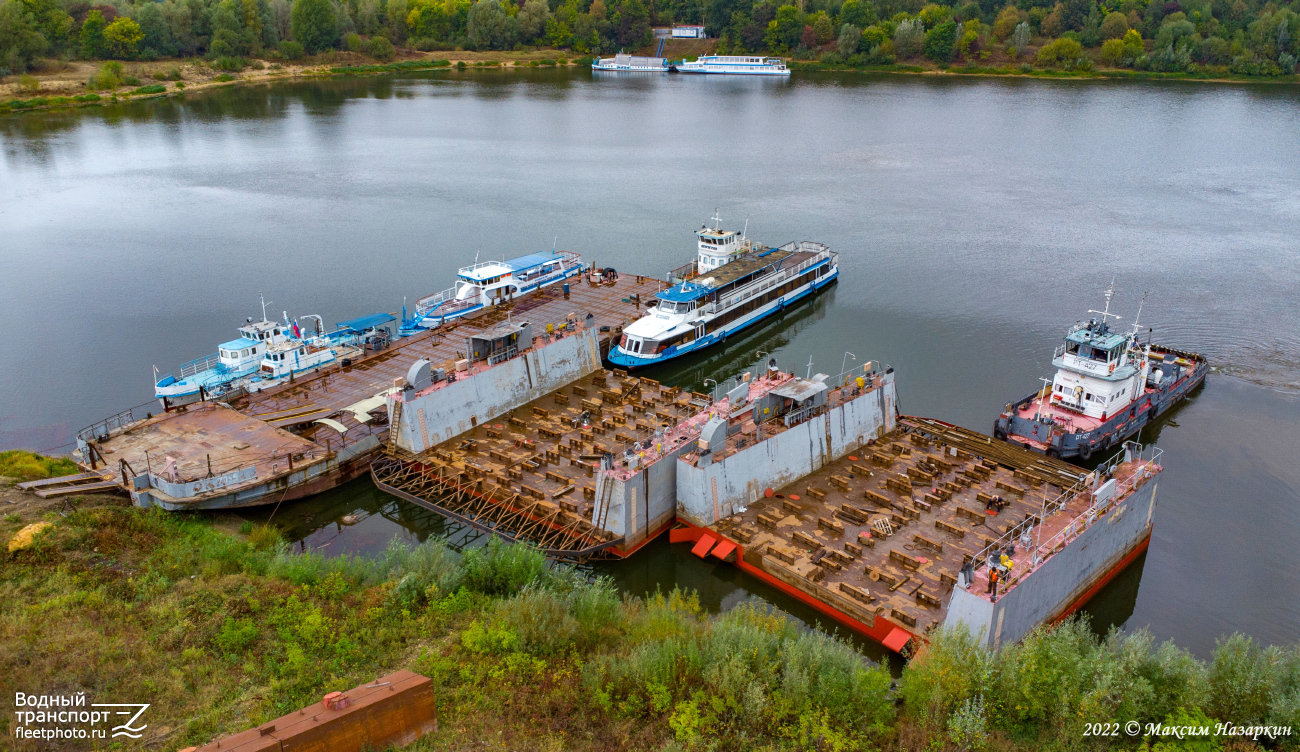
1148,464
199,365
114,423
683,273
423,305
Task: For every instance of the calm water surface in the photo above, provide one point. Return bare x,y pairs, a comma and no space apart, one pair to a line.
976,220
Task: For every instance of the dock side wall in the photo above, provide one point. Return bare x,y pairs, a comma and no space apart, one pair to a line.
718,490
429,420
1063,578
645,502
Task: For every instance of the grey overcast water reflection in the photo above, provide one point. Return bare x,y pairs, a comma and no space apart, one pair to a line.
976,220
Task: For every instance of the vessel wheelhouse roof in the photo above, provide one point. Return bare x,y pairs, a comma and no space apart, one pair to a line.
239,344
362,323
488,269
684,293
1099,341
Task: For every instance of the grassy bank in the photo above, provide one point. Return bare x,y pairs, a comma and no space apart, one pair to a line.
221,626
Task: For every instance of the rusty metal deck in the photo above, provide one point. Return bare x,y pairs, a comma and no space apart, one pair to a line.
532,474
885,531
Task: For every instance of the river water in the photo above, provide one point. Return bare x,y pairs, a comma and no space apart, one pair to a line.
976,220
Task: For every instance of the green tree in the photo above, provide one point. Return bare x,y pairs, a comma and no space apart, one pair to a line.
122,37
92,36
532,20
1114,26
489,28
51,20
850,39
314,25
159,39
1008,19
21,42
940,40
858,13
228,36
822,28
783,31
909,38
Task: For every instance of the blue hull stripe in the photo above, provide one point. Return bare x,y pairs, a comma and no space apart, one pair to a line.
709,340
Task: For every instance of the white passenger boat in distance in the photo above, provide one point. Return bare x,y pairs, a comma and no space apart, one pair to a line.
632,63
745,65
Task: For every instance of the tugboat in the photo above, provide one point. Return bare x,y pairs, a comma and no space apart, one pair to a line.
487,283
214,376
734,283
1108,385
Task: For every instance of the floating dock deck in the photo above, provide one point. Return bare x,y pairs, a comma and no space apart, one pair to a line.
540,472
324,428
878,540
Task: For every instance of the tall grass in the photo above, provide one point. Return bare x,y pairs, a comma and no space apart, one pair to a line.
25,465
1048,686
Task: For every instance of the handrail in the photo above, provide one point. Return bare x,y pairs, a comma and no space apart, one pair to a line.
1131,451
198,365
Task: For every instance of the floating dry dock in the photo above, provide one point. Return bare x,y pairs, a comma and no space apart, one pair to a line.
323,429
879,539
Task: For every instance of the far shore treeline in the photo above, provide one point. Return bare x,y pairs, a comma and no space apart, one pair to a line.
1198,37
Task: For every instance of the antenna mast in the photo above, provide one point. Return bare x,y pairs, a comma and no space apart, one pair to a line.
1110,293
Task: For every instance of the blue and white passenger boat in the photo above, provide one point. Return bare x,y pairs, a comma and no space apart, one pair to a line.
631,63
487,283
733,284
746,65
301,353
214,376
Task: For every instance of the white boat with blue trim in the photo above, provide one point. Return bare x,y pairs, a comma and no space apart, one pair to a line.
630,63
743,65
733,284
488,283
214,375
265,354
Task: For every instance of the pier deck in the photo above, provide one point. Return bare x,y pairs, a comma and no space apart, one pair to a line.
263,429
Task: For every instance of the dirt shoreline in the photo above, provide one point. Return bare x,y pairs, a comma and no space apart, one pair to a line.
69,79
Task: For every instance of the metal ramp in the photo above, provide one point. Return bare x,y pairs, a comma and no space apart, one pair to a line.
659,52
67,485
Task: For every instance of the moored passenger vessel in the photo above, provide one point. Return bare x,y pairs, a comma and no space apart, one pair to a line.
734,283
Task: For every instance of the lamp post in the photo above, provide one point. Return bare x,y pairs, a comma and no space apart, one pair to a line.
844,360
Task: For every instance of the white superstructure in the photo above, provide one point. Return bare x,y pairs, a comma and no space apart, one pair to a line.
752,65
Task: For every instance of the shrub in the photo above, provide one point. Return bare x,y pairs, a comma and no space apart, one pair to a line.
1058,52
150,89
955,669
1241,680
354,43
28,84
263,537
1112,51
109,76
230,63
291,50
236,636
501,569
25,465
380,48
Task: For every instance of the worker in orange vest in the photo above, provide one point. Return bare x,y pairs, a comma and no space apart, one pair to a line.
993,582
